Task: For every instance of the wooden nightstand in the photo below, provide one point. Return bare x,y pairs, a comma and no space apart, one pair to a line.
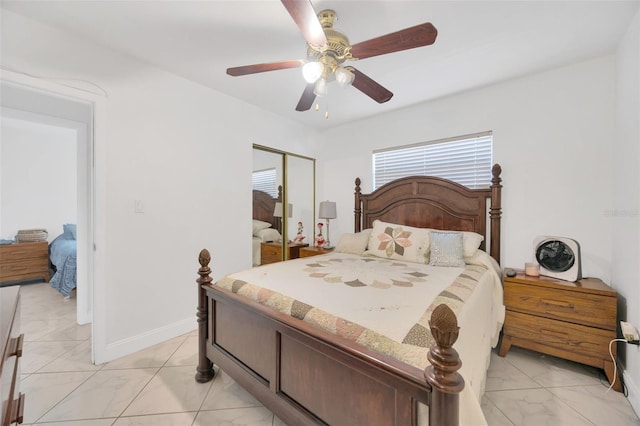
314,251
272,252
21,261
570,320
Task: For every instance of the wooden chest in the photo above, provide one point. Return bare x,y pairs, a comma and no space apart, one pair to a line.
22,261
570,320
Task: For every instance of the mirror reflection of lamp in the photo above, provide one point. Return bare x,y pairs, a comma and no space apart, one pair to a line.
277,213
327,211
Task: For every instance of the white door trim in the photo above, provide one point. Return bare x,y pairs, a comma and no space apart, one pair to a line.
93,248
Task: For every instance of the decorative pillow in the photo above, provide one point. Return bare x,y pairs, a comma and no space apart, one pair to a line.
354,243
268,235
446,249
400,242
260,225
69,230
470,241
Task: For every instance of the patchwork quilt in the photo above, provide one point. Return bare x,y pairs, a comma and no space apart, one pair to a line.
382,304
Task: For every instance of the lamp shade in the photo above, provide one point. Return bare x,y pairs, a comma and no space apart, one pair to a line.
343,76
321,88
312,71
327,210
277,211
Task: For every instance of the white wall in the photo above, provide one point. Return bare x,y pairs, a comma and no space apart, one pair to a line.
552,134
38,177
625,214
185,151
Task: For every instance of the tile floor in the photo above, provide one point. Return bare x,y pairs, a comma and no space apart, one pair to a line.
156,386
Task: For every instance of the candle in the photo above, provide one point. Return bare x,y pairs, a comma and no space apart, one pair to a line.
532,269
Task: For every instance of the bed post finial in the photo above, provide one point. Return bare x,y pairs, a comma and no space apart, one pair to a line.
495,212
446,383
358,208
204,370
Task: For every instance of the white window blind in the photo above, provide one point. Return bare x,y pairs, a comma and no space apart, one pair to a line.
466,160
265,181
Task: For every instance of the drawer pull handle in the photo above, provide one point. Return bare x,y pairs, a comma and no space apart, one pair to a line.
15,348
557,303
17,410
554,333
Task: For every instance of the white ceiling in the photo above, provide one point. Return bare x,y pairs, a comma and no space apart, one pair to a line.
479,43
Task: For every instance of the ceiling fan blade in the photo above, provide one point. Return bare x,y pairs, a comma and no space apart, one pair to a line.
369,87
409,38
307,98
257,68
307,20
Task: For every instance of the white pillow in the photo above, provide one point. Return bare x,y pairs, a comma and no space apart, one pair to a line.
400,242
259,225
268,235
446,249
354,243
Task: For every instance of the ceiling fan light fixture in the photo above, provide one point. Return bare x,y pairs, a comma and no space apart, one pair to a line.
322,87
343,76
312,71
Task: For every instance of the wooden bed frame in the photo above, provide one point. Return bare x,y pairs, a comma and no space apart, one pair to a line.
263,207
308,376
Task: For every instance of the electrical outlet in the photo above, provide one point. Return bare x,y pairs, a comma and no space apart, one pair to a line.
629,332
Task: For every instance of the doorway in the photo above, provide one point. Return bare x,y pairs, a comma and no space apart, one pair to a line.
39,103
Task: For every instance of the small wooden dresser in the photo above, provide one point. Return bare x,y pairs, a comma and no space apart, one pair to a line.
272,252
570,320
11,346
21,261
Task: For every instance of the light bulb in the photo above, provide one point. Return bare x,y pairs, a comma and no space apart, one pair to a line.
311,71
344,77
321,88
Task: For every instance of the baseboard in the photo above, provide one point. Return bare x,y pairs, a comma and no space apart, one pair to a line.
136,343
633,393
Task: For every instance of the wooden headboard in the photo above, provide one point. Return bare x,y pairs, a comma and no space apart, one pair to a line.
431,202
263,207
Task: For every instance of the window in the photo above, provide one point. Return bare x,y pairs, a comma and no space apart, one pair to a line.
466,160
265,181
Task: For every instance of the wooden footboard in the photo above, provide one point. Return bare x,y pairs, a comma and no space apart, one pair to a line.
307,376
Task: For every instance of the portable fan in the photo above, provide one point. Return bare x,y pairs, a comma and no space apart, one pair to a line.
558,257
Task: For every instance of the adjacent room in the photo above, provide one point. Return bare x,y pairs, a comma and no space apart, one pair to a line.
402,164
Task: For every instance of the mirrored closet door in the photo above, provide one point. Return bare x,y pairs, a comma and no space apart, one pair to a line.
283,204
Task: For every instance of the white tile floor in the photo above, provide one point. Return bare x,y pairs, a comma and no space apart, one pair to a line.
156,386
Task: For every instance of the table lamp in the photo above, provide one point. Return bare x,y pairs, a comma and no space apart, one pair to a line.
327,211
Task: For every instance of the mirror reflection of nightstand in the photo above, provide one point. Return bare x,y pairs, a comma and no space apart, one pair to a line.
272,252
314,251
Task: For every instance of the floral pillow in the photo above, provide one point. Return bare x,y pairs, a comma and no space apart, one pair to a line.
399,242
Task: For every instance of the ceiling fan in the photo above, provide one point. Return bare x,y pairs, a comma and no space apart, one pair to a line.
328,49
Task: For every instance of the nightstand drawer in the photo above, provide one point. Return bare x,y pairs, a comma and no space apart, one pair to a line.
587,341
270,253
578,308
